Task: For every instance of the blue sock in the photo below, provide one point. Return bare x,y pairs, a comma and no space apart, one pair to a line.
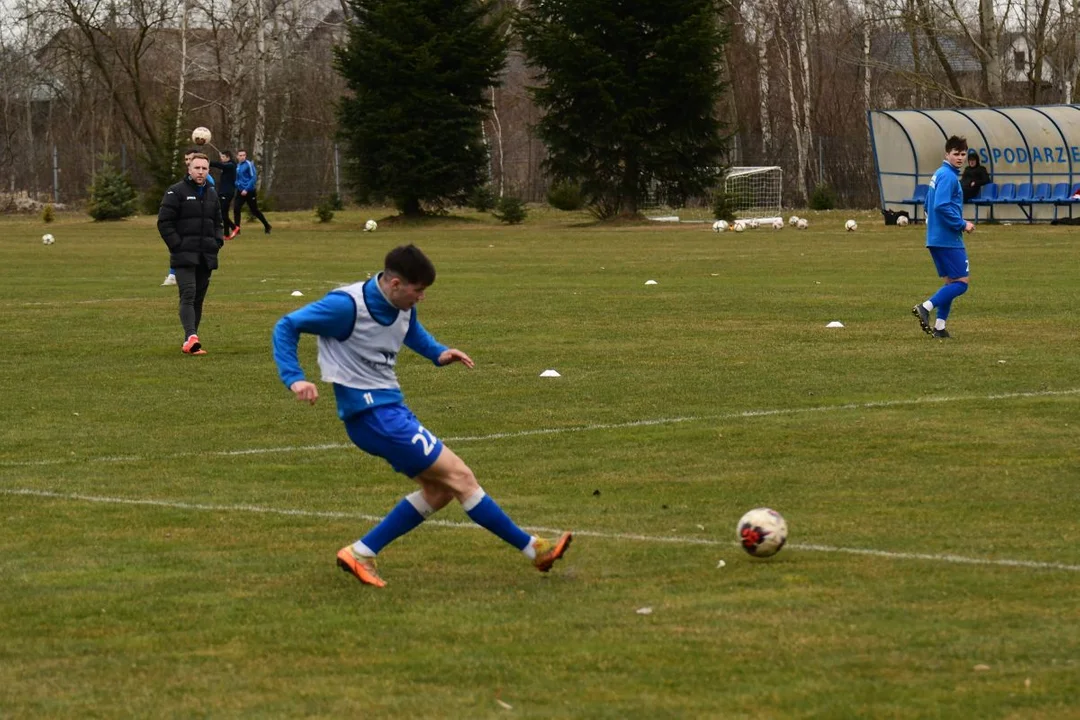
942,299
405,516
486,513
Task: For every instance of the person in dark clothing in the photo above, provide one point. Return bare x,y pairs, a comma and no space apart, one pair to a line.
246,178
974,177
226,188
189,222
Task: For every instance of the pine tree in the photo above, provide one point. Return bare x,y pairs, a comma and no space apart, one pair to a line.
111,195
419,73
629,91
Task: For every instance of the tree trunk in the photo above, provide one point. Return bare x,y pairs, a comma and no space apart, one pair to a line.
497,127
1038,52
796,128
991,61
181,83
804,61
867,76
926,21
259,141
763,86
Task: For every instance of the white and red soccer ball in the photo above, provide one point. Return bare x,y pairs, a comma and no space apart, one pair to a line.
762,532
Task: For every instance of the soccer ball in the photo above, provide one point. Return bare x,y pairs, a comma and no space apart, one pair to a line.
793,220
902,220
802,224
739,226
370,226
851,226
762,532
720,226
47,239
778,224
200,135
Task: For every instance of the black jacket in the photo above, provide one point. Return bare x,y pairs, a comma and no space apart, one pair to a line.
973,178
226,186
190,224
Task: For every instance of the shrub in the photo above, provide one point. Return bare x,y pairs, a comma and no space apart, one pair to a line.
336,203
566,195
823,198
111,195
47,214
325,210
724,206
482,198
511,210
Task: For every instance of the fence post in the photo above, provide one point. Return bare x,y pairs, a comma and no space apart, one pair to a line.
337,172
55,175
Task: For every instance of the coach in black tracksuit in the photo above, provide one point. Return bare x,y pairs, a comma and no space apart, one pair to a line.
189,222
226,187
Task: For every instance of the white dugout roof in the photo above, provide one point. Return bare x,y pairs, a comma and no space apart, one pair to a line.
1027,144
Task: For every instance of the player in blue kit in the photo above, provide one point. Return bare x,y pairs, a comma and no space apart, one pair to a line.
945,226
361,329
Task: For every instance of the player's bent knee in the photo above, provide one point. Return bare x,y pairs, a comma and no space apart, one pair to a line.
450,472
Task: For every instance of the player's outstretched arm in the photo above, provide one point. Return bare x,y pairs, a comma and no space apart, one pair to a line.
451,355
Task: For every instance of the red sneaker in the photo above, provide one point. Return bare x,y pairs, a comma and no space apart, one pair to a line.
192,346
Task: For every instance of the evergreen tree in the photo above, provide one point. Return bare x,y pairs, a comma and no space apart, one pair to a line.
111,195
629,94
418,72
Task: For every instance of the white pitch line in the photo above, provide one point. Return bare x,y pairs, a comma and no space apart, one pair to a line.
745,414
666,539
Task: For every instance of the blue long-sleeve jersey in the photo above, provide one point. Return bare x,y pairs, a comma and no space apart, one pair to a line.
334,316
944,209
246,176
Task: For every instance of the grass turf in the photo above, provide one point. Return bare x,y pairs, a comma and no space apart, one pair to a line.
170,522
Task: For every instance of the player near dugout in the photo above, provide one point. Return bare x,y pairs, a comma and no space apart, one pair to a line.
945,226
360,329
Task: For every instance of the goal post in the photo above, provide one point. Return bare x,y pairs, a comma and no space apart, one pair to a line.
750,191
755,189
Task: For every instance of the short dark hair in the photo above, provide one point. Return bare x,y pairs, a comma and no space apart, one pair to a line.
955,142
411,265
192,150
227,153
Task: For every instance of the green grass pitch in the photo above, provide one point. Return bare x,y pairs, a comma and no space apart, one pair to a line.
169,523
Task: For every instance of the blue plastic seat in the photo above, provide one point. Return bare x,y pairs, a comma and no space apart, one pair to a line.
917,200
919,196
1006,194
1024,195
1060,194
1042,194
1063,195
987,195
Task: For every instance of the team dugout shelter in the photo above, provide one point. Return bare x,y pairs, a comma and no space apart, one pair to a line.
1032,153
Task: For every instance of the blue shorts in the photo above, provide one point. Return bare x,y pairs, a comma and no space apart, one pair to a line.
951,262
393,433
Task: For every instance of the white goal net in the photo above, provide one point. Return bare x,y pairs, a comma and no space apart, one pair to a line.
751,192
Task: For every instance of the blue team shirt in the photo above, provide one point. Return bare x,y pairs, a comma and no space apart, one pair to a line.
246,176
944,209
334,316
